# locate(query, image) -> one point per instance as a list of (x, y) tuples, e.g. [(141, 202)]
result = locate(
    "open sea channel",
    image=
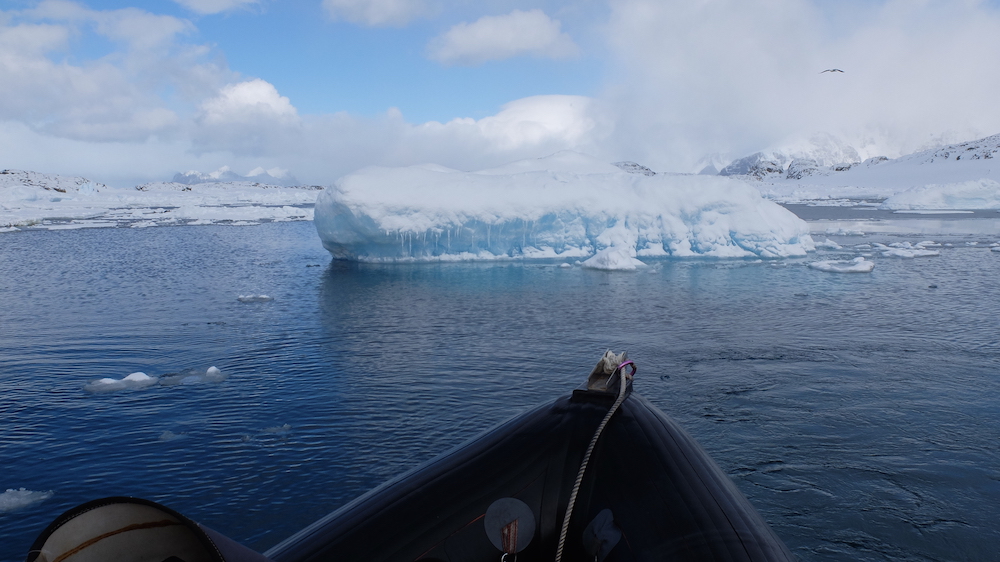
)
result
[(860, 413)]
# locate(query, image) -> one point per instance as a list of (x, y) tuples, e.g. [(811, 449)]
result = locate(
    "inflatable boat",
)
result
[(599, 475)]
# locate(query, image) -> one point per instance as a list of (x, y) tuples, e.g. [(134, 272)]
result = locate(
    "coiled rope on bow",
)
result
[(590, 449)]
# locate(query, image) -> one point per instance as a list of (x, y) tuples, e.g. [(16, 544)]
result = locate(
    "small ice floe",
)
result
[(857, 265), (972, 243), (12, 500), (995, 249), (284, 428), (844, 232), (254, 298), (828, 244), (566, 265), (908, 253), (614, 259), (133, 381), (193, 376), (904, 250), (168, 435), (928, 244)]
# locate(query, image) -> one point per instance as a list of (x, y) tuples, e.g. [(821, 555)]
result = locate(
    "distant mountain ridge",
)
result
[(777, 166), (258, 175)]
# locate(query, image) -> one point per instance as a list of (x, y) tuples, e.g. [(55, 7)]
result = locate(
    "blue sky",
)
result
[(328, 66), (125, 92)]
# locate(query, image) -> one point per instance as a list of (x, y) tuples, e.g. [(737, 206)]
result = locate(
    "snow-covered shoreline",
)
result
[(29, 200)]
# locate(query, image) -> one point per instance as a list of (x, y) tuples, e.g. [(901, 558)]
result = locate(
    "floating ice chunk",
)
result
[(105, 384), (12, 500), (254, 298), (828, 244), (133, 381), (857, 265), (192, 376), (844, 232), (927, 244), (995, 249), (139, 378), (432, 213), (168, 435), (909, 253), (566, 265), (284, 428), (614, 259)]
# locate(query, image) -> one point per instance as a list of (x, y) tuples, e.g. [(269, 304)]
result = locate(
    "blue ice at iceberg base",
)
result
[(432, 213)]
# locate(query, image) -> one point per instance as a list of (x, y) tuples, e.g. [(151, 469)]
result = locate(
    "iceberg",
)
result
[(565, 206)]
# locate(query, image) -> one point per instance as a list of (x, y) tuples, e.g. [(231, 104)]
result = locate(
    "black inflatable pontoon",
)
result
[(648, 492)]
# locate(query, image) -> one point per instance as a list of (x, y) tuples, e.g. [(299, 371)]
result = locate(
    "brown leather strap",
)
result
[(127, 528)]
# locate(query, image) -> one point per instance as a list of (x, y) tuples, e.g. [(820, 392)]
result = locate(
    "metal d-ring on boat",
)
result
[(599, 475)]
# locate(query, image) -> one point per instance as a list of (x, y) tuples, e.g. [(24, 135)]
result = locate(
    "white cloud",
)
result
[(321, 148), (215, 6), (140, 29), (251, 126), (247, 118), (377, 13), (562, 121), (734, 77), (109, 98), (502, 37), (246, 102)]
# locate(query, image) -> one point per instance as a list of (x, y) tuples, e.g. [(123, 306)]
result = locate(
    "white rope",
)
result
[(586, 459)]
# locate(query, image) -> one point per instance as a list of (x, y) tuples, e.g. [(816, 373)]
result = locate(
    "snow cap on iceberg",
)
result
[(567, 205)]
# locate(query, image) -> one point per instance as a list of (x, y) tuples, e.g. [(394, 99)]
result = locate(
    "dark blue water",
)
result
[(860, 413)]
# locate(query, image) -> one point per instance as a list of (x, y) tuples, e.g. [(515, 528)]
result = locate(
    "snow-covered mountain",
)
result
[(785, 178), (820, 152), (274, 176)]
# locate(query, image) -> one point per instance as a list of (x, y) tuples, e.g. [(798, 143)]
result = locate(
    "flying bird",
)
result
[(833, 70)]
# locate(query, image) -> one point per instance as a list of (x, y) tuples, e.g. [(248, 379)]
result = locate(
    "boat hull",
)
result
[(667, 499)]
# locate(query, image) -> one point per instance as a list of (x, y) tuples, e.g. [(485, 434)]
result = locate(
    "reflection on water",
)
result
[(857, 411)]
